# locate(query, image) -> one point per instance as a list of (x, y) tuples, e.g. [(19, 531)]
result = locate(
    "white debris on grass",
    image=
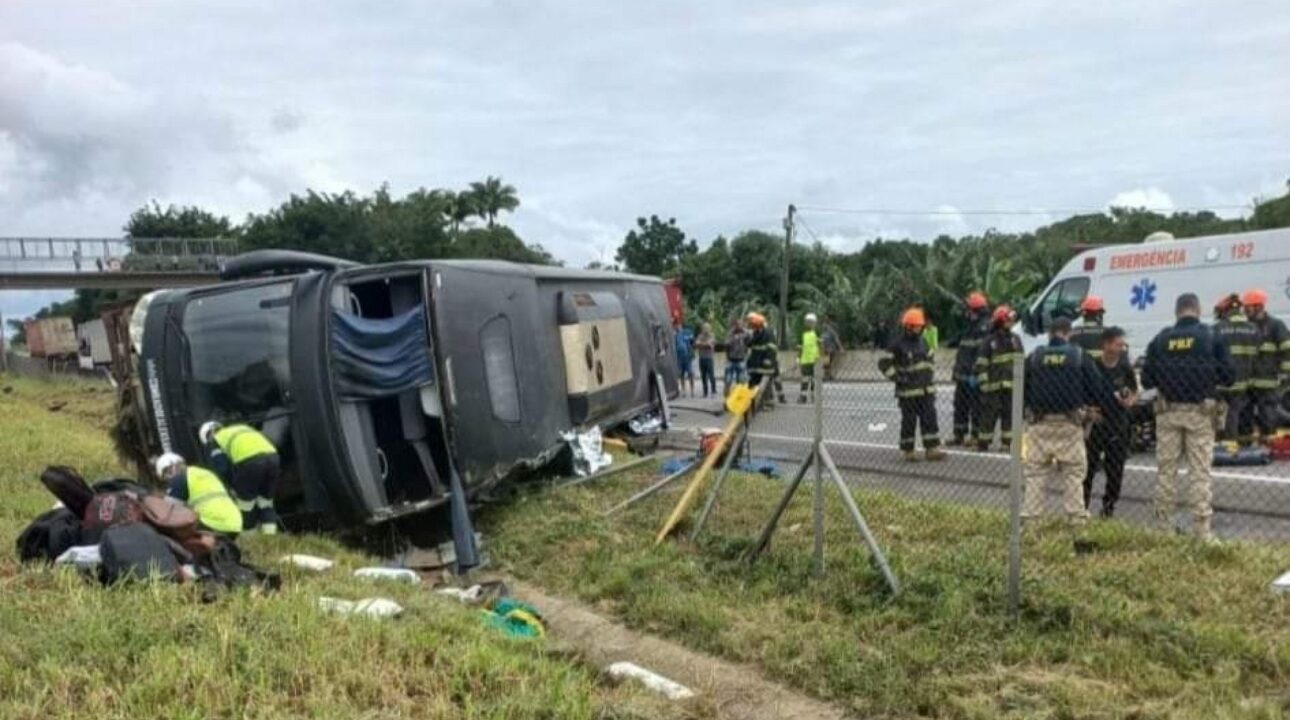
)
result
[(652, 680), (385, 573), (371, 607), (470, 596), (84, 557), (308, 562), (1281, 584), (589, 454)]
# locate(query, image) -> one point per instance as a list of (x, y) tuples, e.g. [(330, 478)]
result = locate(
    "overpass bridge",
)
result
[(28, 263)]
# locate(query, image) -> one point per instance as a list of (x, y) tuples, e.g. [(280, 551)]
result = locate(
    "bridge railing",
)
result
[(35, 255)]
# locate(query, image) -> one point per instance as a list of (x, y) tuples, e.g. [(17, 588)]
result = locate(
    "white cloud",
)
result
[(1150, 198)]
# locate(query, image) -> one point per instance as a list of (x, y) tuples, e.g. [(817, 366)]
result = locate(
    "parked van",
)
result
[(1139, 283)]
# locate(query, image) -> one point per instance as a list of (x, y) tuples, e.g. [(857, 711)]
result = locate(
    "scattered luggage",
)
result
[(109, 510), (136, 552), (1279, 447), (1227, 456), (69, 487), (49, 536)]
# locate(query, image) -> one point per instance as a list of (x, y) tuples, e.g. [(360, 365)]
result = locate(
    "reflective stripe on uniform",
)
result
[(1264, 384), (916, 392), (1285, 345), (1268, 347), (1243, 350), (214, 506), (242, 443)]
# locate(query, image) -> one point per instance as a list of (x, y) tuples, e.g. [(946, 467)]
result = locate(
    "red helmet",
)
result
[(756, 320), (1092, 304), (913, 318), (1003, 315), (1255, 297), (977, 301)]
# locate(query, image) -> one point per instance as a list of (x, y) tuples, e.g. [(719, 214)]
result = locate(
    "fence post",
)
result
[(817, 394), (1017, 485)]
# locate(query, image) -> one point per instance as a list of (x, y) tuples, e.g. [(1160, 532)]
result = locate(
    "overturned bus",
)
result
[(379, 383)]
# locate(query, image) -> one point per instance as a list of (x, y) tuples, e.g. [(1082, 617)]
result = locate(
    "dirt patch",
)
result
[(733, 691)]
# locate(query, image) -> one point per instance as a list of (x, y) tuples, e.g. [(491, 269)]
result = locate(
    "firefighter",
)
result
[(1088, 334), (808, 358), (763, 358), (1242, 339), (1186, 363), (1271, 365), (908, 363), (1061, 382), (967, 385), (244, 456), (1000, 349)]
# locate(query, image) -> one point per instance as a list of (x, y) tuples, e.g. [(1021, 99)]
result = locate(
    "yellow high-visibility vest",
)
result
[(208, 497), (243, 442), (810, 348)]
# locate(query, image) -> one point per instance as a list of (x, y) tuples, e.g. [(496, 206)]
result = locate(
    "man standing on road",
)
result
[(763, 360), (1088, 334), (1107, 446), (1001, 348), (808, 358), (831, 344), (706, 346), (1242, 340), (1271, 366), (967, 386), (736, 355), (685, 355), (1186, 363), (908, 363), (1061, 383)]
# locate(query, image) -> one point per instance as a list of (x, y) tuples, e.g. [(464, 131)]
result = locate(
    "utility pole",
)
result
[(783, 280)]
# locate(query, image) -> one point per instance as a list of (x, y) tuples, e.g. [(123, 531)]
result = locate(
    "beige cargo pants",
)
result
[(1185, 430), (1054, 448)]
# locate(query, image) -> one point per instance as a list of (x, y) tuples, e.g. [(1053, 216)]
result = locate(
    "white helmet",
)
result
[(207, 433), (810, 317), (167, 462)]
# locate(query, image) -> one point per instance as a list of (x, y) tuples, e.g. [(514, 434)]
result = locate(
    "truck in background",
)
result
[(93, 348), (51, 338)]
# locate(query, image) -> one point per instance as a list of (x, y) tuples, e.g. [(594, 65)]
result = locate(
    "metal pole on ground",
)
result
[(731, 455), (651, 489), (764, 539), (1016, 487), (611, 470), (878, 555)]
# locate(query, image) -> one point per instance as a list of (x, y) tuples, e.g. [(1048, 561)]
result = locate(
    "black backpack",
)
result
[(69, 487), (49, 536), (136, 552)]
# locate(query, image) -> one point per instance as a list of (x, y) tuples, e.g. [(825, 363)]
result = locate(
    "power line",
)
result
[(1052, 211), (800, 221)]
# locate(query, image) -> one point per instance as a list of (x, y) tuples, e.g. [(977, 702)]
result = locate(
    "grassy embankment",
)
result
[(72, 649), (1149, 627)]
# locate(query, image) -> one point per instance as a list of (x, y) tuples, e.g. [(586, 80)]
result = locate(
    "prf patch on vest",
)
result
[(1182, 343), (1055, 359)]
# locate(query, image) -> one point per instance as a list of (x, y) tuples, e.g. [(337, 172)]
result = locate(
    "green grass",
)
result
[(72, 649), (1149, 627)]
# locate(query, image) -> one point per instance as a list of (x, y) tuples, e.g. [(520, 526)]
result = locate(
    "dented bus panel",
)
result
[(376, 382)]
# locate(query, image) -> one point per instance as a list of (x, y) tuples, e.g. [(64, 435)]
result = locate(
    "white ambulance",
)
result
[(1139, 283)]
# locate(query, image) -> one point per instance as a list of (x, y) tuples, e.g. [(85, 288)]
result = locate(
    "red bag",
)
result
[(1279, 447), (109, 510)]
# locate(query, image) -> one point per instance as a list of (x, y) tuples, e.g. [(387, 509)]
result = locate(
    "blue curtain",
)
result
[(380, 357)]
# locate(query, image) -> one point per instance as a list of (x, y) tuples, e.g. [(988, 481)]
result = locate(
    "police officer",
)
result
[(1061, 383), (763, 358), (1107, 445), (1186, 363), (1242, 340), (1088, 334), (908, 363), (1001, 348), (1271, 365), (967, 385), (246, 457), (202, 491)]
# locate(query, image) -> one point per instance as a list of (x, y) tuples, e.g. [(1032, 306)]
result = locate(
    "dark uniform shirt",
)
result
[(1187, 363), (1242, 338), (1061, 378), (763, 353), (1087, 336), (970, 345), (1123, 382), (909, 364), (1273, 359), (999, 351)]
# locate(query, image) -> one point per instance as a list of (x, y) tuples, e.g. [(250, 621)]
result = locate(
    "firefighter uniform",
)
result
[(908, 363), (1060, 381), (999, 351), (1242, 339), (1087, 336), (1186, 363), (763, 362), (252, 463), (967, 383), (1271, 364)]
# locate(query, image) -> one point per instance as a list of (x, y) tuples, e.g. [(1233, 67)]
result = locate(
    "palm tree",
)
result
[(459, 207), (492, 196)]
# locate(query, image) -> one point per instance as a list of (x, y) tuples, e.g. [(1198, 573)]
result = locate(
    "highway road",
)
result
[(861, 425)]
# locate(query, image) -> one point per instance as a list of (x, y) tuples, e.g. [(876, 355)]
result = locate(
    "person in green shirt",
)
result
[(808, 357)]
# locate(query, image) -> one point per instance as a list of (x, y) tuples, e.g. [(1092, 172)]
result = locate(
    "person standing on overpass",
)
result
[(1186, 363)]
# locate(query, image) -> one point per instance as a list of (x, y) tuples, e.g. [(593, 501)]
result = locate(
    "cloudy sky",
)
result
[(719, 112)]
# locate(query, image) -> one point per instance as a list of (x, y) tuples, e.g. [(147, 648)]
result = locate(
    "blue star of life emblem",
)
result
[(1144, 294)]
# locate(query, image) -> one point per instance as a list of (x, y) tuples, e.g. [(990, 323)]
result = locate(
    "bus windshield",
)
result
[(237, 343)]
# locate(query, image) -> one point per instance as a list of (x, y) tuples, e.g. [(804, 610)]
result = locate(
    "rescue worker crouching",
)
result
[(1242, 339), (1186, 363), (247, 458), (1271, 365), (763, 359), (1061, 383), (1088, 334), (999, 351), (967, 383), (908, 363), (808, 358), (202, 491)]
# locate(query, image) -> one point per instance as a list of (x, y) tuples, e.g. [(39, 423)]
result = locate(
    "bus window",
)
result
[(1063, 298)]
